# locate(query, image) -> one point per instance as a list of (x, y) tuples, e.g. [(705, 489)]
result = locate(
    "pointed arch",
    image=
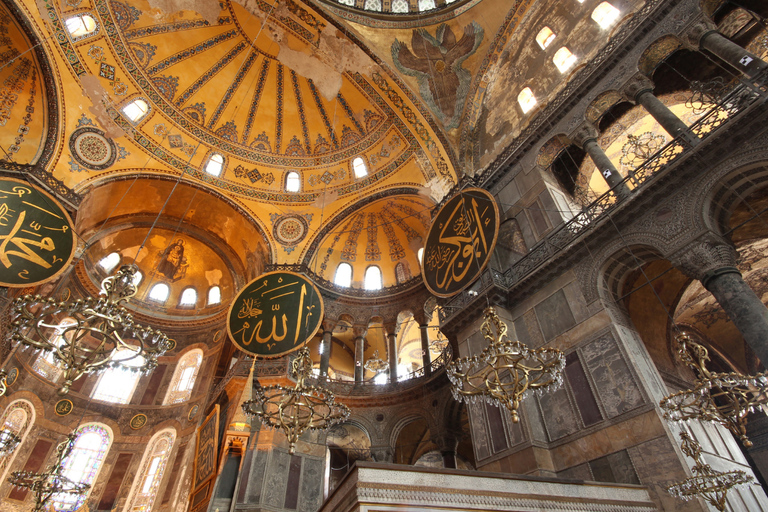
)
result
[(92, 443), (146, 485)]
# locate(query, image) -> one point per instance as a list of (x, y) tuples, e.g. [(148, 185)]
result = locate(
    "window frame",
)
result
[(192, 304), (136, 493), (110, 437), (208, 296), (140, 118), (173, 394), (365, 278), (136, 376), (336, 275), (86, 34), (6, 461), (210, 159), (288, 176), (153, 288)]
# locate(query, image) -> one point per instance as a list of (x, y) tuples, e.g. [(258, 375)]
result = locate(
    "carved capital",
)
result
[(359, 331), (583, 133), (704, 255), (637, 84), (694, 32), (383, 453)]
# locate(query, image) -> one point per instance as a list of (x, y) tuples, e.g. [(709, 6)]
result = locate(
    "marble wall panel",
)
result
[(559, 417), (616, 467), (312, 485), (480, 439), (554, 314), (277, 479), (256, 479), (616, 387)]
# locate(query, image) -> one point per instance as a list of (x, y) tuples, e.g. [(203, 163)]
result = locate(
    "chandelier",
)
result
[(724, 398), (53, 481), (438, 345), (8, 441), (711, 485), (374, 364), (505, 372), (298, 409), (88, 335)]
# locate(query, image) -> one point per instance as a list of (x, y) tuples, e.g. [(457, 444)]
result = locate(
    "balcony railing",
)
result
[(738, 99)]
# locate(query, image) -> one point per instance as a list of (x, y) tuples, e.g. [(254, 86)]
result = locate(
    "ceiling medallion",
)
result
[(290, 229), (706, 483), (298, 409), (505, 372), (724, 398), (86, 335), (91, 149)]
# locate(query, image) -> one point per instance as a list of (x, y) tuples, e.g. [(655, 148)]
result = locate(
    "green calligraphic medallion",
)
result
[(460, 242), (138, 421), (63, 407), (36, 237), (275, 314)]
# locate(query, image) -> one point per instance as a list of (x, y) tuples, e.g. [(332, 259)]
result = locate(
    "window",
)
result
[(83, 463), (402, 272), (373, 5), (605, 15), (350, 3), (564, 59), (372, 278), (526, 99), (45, 364), (188, 297), (214, 165), (117, 384), (399, 6), (159, 292), (545, 37), (109, 262), (425, 5), (420, 255), (292, 182), (136, 110), (214, 295), (137, 277), (80, 26), (18, 417), (358, 165), (343, 275), (147, 484), (184, 376)]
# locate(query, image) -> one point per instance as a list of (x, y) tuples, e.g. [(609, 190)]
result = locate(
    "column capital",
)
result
[(585, 132), (694, 33), (383, 453), (704, 256), (359, 331), (636, 85)]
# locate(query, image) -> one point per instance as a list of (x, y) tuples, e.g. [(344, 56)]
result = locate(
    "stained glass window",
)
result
[(18, 418), (45, 364), (83, 463), (117, 384), (183, 381), (150, 474)]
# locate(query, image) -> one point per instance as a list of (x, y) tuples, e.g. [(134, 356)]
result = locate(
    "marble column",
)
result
[(392, 349), (743, 60), (359, 357), (325, 356), (447, 444), (425, 348), (640, 90), (586, 137)]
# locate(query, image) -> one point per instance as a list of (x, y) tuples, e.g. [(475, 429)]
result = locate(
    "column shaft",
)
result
[(743, 60), (606, 167), (392, 341), (325, 357), (425, 349), (665, 117), (743, 307), (359, 358)]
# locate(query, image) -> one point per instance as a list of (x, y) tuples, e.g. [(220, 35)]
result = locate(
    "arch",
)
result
[(656, 52), (83, 464), (149, 477), (602, 104), (343, 275), (18, 417), (184, 377), (373, 278), (723, 196), (617, 267)]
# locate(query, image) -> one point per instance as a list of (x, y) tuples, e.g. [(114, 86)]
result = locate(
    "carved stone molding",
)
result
[(693, 33), (635, 85), (705, 254)]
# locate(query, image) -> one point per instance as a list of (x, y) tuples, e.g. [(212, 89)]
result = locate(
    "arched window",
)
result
[(45, 364), (109, 262), (373, 5), (136, 110), (214, 295), (18, 418), (605, 15), (563, 59), (343, 275), (372, 278), (117, 384), (215, 164), (137, 277), (402, 272), (526, 99), (80, 26), (188, 297), (545, 37), (292, 182), (358, 165), (399, 6), (159, 292), (184, 376), (420, 255), (425, 5), (147, 483), (83, 463)]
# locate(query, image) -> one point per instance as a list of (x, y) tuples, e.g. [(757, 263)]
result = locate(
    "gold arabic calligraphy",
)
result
[(461, 245)]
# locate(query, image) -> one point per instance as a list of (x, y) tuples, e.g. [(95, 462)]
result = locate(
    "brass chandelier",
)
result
[(8, 441), (298, 409), (706, 483), (724, 398), (438, 345), (86, 335), (505, 372), (374, 364), (53, 481)]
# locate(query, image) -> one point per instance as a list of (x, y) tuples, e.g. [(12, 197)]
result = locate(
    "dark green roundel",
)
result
[(275, 314), (460, 242), (36, 237)]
